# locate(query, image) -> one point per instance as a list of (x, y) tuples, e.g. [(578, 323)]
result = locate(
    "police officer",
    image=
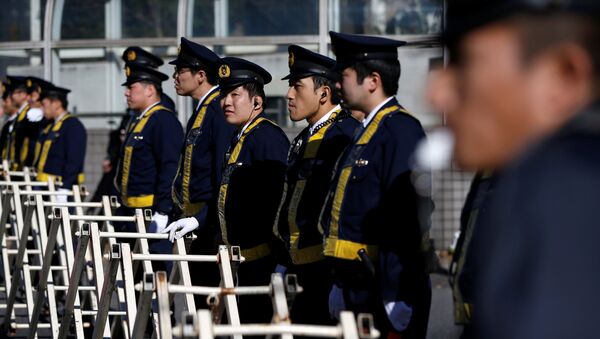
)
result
[(60, 149), (524, 97), (131, 55), (201, 159), (252, 180), (27, 126), (150, 152), (10, 111), (312, 96), (370, 221)]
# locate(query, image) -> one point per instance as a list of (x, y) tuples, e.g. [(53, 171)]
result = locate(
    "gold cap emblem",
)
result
[(127, 71), (178, 49), (224, 71), (131, 56), (291, 59), (28, 83)]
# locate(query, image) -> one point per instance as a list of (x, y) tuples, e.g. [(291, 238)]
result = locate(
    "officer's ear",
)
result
[(257, 102), (325, 92), (373, 81)]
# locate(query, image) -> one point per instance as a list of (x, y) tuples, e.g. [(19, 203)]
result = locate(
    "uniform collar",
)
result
[(23, 106), (323, 119), (12, 117), (371, 115), (201, 101), (60, 117), (248, 124), (147, 109)]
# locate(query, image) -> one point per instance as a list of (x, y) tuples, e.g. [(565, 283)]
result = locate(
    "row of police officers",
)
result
[(337, 207)]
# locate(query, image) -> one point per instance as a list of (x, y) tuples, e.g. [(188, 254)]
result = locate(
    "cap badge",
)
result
[(28, 83), (291, 59), (224, 71), (127, 71), (131, 56)]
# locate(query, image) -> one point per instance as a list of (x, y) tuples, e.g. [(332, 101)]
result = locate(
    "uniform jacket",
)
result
[(149, 158), (251, 187), (541, 239), (372, 205), (310, 164), (60, 151), (207, 138)]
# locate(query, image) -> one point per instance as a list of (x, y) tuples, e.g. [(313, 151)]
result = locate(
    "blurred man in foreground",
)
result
[(524, 101)]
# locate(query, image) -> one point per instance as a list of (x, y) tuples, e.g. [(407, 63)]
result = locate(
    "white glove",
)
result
[(62, 198), (160, 222), (181, 227), (399, 314)]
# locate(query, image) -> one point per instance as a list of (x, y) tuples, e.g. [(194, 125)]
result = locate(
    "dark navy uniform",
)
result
[(250, 192), (26, 128), (196, 186), (540, 240), (149, 161), (149, 155), (373, 207), (467, 259), (60, 149), (131, 55), (311, 159)]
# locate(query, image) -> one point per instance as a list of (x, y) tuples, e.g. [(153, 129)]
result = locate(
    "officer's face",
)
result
[(7, 105), (353, 92), (484, 96), (238, 106), (137, 96), (185, 81), (303, 100), (49, 107), (19, 96)]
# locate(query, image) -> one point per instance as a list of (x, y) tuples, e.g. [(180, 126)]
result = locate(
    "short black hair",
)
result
[(211, 74), (62, 98), (158, 87), (320, 81), (256, 89), (388, 70)]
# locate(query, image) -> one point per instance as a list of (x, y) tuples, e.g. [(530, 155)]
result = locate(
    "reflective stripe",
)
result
[(45, 176), (139, 202), (256, 252), (187, 159), (308, 255), (13, 151), (340, 248), (191, 209), (48, 144), (24, 150), (346, 249), (127, 161), (38, 146), (225, 180)]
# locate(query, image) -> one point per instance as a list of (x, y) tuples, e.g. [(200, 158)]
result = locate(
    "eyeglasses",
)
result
[(180, 70)]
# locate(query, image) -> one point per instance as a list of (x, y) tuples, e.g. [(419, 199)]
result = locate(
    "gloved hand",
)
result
[(336, 302), (62, 198), (159, 222), (181, 227), (280, 269), (399, 314)]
